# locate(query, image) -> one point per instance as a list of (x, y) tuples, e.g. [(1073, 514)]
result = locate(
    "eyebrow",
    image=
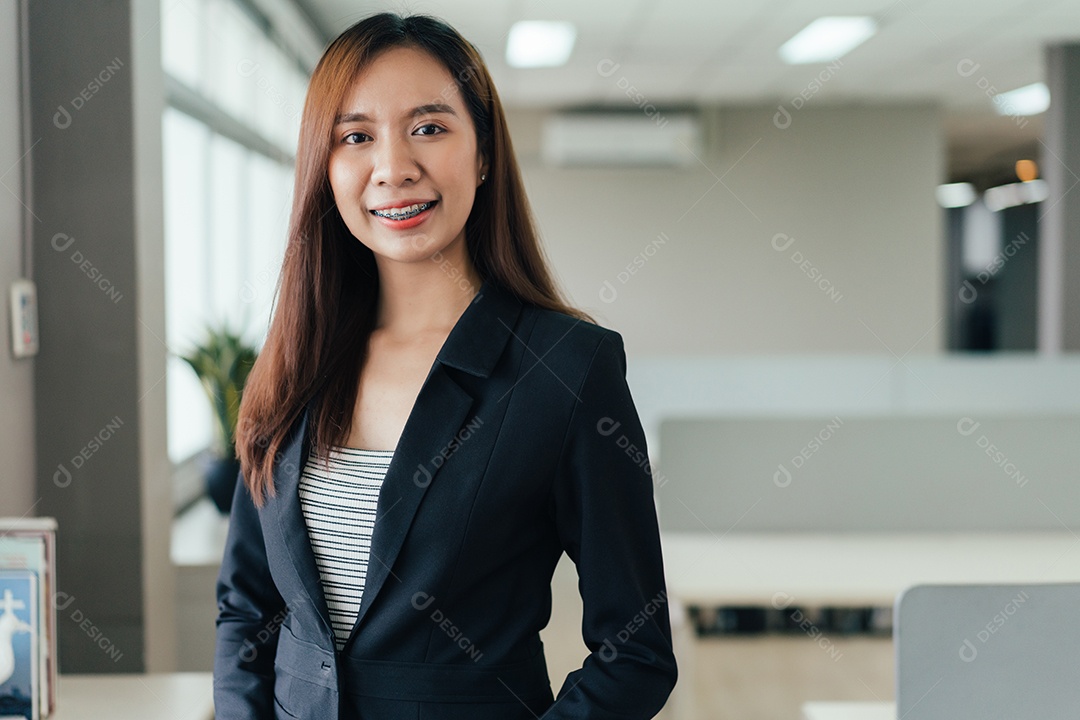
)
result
[(429, 109)]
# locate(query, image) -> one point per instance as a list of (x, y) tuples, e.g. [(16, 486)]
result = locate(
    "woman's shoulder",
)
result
[(571, 339)]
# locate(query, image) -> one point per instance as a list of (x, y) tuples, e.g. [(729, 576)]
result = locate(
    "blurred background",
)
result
[(840, 239)]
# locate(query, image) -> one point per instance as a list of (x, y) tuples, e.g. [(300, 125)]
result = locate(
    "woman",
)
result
[(429, 427)]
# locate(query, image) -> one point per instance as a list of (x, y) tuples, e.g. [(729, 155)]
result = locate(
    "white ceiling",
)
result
[(724, 52)]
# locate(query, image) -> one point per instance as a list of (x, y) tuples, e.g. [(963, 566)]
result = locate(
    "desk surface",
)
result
[(175, 696), (854, 569), (849, 711)]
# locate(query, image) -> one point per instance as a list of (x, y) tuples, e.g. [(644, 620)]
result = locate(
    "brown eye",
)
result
[(431, 125)]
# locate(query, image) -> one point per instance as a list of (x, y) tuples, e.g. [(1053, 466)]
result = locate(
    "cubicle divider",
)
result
[(797, 495), (825, 386), (909, 473), (840, 448)]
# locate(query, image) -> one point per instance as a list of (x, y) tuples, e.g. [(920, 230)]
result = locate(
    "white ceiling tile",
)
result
[(725, 51)]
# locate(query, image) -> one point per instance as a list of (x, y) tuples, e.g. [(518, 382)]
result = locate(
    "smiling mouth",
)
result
[(404, 213)]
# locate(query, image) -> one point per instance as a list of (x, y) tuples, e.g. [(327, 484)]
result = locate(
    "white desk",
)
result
[(840, 570), (854, 569), (849, 711), (172, 696)]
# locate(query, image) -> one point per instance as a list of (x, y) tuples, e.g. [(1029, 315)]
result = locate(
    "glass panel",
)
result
[(297, 85), (231, 40), (182, 37), (186, 281), (228, 229), (267, 112), (268, 200)]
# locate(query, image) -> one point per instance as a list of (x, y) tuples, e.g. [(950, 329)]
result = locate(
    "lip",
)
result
[(403, 203), (406, 224)]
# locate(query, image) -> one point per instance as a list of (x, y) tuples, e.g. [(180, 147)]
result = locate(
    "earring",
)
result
[(483, 178)]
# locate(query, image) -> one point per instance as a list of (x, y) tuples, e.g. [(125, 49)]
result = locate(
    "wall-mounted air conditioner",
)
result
[(622, 139)]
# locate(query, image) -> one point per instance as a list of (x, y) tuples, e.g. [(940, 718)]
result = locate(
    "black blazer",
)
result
[(523, 442)]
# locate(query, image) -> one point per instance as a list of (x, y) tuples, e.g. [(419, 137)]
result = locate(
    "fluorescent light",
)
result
[(1028, 100), (827, 38), (955, 195), (539, 43), (1013, 194)]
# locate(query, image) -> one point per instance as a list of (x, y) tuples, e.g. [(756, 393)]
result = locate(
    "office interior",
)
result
[(849, 287)]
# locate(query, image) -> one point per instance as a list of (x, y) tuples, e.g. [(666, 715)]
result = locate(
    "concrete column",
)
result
[(1059, 256), (99, 397)]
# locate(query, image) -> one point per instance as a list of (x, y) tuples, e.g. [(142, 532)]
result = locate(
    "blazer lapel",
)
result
[(290, 516), (442, 407)]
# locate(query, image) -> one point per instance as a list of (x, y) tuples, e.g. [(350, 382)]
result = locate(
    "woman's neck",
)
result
[(423, 297)]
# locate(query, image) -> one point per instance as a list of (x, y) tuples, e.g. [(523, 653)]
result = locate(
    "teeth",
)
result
[(403, 213)]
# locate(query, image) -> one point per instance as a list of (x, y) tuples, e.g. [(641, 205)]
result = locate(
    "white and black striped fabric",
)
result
[(339, 509)]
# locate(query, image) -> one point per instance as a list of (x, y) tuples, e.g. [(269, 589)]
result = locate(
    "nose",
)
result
[(393, 162)]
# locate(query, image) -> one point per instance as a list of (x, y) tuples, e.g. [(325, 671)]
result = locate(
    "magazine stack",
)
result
[(28, 664)]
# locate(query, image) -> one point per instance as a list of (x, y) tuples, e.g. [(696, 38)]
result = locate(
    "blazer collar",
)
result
[(477, 340), (474, 345)]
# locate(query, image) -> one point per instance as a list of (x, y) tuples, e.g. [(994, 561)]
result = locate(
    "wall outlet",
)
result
[(24, 325)]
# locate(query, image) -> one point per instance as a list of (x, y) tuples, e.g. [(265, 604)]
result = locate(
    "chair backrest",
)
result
[(987, 651)]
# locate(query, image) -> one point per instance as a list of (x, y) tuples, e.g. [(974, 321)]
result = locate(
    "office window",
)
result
[(234, 95), (187, 292)]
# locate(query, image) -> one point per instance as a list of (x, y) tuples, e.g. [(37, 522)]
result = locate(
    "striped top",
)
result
[(339, 510)]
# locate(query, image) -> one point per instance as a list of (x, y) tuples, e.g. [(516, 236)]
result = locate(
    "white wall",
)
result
[(852, 185), (16, 376)]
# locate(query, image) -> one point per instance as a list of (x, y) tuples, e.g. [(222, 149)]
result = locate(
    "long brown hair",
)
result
[(327, 292)]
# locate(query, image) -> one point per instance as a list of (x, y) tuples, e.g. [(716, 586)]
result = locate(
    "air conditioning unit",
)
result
[(620, 139)]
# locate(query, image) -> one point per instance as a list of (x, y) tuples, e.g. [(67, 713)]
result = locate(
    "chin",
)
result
[(406, 254)]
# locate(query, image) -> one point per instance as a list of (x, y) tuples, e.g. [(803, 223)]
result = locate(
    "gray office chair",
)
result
[(988, 651)]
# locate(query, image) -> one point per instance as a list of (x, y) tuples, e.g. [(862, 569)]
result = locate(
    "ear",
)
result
[(481, 168)]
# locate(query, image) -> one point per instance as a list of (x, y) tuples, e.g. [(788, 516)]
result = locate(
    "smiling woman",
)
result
[(383, 142), (409, 476)]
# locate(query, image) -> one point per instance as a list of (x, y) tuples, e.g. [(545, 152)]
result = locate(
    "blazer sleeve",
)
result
[(606, 520), (250, 612)]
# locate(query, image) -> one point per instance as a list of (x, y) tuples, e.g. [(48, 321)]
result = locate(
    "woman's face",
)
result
[(403, 137)]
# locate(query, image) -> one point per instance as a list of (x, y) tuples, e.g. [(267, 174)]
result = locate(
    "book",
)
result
[(30, 544), (19, 654)]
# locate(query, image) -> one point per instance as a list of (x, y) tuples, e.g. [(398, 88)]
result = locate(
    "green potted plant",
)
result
[(222, 363)]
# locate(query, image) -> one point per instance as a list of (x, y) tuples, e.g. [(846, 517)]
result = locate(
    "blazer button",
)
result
[(325, 667)]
